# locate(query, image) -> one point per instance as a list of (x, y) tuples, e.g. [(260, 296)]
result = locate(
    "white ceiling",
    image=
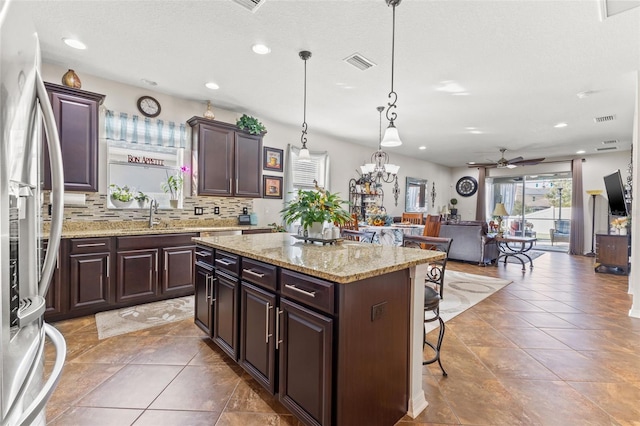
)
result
[(522, 63)]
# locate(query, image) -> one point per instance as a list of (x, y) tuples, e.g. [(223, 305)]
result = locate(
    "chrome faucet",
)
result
[(153, 208)]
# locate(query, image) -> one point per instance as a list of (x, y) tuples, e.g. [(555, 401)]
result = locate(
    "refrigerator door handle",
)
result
[(57, 186), (39, 402)]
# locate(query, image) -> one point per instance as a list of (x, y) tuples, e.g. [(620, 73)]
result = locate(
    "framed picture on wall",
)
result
[(273, 159), (272, 186)]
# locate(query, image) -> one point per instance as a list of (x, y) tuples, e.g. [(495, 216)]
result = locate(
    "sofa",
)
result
[(470, 242)]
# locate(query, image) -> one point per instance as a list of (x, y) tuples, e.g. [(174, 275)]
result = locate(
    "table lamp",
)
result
[(500, 211)]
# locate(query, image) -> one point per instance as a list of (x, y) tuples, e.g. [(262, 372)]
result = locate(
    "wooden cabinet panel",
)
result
[(225, 311), (76, 115), (137, 275), (203, 297), (89, 280), (248, 165), (177, 269), (305, 385), (228, 160), (57, 295), (612, 251), (257, 334)]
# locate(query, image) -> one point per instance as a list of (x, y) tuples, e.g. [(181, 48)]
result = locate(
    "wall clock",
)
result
[(148, 106), (466, 186)]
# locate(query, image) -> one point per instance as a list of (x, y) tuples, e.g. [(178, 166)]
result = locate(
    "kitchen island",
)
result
[(334, 330)]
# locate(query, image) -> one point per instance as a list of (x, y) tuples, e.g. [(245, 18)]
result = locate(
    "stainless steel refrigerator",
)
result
[(25, 113)]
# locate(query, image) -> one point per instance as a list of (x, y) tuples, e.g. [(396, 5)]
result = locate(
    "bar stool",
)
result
[(432, 294)]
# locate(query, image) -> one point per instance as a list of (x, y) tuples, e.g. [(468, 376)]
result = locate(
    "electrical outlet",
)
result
[(245, 210), (198, 211), (377, 311), (216, 210)]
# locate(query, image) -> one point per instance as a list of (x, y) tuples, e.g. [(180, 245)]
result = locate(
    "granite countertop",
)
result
[(344, 262), (88, 229)]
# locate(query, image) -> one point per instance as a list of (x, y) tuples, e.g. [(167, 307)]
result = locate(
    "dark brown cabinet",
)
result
[(227, 161), (177, 269), (306, 363), (137, 275), (55, 299), (89, 274), (203, 297), (612, 253), (76, 115), (225, 313)]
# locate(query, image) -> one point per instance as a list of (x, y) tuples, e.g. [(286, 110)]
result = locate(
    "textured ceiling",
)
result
[(522, 64)]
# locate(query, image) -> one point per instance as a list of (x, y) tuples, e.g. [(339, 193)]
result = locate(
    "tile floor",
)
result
[(555, 347)]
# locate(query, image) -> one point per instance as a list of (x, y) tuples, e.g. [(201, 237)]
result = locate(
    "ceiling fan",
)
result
[(510, 164)]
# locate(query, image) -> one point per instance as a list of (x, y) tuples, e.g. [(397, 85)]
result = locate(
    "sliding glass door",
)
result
[(538, 206)]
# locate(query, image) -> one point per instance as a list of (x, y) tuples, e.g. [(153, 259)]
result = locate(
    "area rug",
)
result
[(533, 254), (462, 291), (134, 318)]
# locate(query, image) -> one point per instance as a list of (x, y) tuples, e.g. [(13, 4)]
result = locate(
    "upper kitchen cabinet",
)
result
[(76, 114), (226, 160)]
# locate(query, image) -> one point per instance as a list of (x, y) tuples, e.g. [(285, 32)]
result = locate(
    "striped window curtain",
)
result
[(131, 128)]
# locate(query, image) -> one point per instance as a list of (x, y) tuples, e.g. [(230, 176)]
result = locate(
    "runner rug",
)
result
[(134, 318), (462, 291)]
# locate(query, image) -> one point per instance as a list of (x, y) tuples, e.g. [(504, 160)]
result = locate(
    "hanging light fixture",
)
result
[(380, 170), (304, 152), (391, 136)]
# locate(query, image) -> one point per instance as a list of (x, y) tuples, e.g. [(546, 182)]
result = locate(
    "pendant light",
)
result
[(391, 136), (304, 152)]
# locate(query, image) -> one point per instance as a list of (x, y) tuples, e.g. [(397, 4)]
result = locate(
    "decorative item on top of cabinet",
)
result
[(71, 79), (251, 125), (208, 114), (226, 161), (76, 115)]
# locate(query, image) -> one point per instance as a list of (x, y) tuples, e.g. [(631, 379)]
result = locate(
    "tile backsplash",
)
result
[(95, 209)]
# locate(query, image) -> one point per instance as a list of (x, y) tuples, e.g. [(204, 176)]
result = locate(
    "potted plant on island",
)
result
[(454, 209), (121, 196), (313, 208)]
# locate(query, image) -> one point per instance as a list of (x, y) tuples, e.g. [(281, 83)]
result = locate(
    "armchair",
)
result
[(561, 231)]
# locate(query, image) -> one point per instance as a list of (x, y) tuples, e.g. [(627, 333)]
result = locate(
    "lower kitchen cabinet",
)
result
[(203, 305), (257, 334), (137, 275), (225, 313), (102, 273), (306, 363)]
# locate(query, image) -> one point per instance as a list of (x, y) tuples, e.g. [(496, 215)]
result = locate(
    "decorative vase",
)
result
[(121, 204), (71, 79), (173, 203), (141, 204), (623, 231), (208, 114), (315, 230)]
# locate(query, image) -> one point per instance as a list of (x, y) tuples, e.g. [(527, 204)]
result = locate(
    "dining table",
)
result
[(392, 235)]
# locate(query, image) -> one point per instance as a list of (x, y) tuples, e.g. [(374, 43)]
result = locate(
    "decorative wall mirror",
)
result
[(144, 170), (416, 195)]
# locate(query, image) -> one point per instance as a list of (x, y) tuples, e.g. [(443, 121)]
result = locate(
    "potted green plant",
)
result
[(121, 196), (250, 124), (141, 198), (314, 207), (454, 209), (173, 185)]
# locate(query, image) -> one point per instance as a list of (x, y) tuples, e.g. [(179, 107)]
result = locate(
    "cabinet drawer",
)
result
[(161, 240), (308, 290), (204, 255), (89, 245), (227, 261), (263, 274)]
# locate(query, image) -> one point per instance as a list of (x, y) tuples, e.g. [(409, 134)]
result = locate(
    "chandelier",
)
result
[(379, 169), (304, 152), (391, 136)]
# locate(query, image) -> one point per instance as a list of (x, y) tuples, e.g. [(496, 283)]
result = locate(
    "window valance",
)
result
[(120, 126)]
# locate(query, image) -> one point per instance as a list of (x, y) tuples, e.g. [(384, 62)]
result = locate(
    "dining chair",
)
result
[(414, 218), (362, 236), (431, 229), (433, 289), (351, 224)]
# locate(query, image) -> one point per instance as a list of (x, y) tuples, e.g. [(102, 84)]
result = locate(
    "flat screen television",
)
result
[(615, 193)]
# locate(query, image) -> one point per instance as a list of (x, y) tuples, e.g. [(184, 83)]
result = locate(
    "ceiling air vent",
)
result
[(359, 61), (611, 142), (604, 118), (250, 5), (608, 148)]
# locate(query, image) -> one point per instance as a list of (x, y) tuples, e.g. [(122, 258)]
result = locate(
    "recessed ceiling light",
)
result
[(560, 125), (211, 85), (422, 147), (470, 128), (260, 49), (76, 44), (460, 94), (450, 86), (149, 82), (582, 151), (585, 94), (475, 132), (471, 162)]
